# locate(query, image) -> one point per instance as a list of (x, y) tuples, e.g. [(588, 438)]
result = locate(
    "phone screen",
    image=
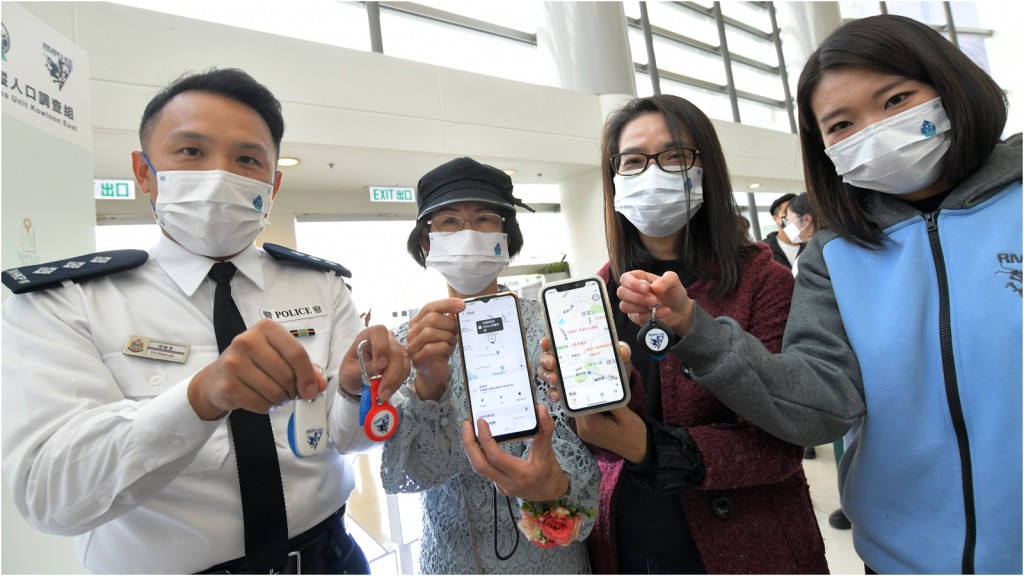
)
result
[(498, 376), (585, 345)]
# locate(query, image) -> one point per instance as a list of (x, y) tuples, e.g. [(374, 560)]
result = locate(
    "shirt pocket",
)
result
[(141, 379), (315, 336)]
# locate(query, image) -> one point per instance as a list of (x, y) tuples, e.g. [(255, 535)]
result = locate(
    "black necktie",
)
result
[(259, 473)]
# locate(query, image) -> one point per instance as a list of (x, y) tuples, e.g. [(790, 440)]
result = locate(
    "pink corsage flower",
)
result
[(549, 524)]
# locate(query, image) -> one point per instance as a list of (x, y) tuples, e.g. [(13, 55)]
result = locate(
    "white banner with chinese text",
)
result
[(45, 78)]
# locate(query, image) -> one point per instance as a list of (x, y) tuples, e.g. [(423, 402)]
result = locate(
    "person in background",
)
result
[(905, 327), (784, 249), (467, 230), (801, 225), (689, 487), (744, 225), (134, 439)]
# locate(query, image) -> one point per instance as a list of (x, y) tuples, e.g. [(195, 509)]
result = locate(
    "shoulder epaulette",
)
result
[(288, 255), (77, 269)]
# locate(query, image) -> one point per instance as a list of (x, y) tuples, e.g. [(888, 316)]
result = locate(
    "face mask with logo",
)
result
[(469, 260), (659, 203), (211, 212), (898, 155)]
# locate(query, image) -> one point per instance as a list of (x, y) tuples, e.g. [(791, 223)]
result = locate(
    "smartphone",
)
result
[(585, 344), (496, 366)]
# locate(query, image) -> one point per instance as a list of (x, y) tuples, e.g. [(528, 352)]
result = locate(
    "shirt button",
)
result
[(177, 440), (156, 380)]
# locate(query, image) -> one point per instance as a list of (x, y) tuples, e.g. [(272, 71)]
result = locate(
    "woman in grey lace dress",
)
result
[(467, 230)]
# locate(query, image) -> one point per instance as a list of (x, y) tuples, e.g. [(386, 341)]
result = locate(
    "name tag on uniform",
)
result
[(296, 313), (154, 349)]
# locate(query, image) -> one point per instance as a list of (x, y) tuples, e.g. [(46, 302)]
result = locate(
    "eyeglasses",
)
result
[(450, 223), (673, 160), (784, 220)]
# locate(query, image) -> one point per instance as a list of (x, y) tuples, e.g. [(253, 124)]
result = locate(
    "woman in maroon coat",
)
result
[(688, 486)]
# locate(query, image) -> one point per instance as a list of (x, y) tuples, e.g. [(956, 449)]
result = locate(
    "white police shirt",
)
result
[(104, 445)]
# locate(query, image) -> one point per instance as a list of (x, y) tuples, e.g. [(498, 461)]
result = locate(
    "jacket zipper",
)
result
[(952, 394)]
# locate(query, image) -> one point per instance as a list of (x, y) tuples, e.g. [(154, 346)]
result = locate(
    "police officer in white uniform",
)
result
[(115, 397)]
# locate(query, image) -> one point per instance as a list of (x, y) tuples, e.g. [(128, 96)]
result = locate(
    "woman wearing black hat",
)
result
[(467, 230)]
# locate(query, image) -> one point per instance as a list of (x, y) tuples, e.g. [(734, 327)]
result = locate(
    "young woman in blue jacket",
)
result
[(905, 325)]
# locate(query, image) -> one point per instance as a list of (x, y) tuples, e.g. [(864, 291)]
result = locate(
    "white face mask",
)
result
[(212, 212), (898, 155), (469, 260), (659, 203), (792, 231)]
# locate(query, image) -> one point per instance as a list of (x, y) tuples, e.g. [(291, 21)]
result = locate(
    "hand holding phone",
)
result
[(430, 342), (496, 367), (585, 345)]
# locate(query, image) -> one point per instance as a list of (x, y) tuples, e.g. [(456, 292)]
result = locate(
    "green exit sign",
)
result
[(392, 194), (105, 189)]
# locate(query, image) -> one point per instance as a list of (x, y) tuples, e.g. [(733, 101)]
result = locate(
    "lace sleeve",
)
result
[(576, 460), (426, 450)]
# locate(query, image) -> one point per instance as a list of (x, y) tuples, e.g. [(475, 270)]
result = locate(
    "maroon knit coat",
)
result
[(752, 513)]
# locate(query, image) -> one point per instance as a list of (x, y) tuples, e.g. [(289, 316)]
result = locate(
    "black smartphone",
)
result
[(584, 341), (496, 366)]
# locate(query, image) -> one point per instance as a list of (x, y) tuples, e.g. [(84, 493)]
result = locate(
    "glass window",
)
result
[(336, 23), (522, 15), (858, 9), (637, 46), (749, 13), (431, 42), (754, 113), (933, 13), (643, 85), (757, 81), (688, 61), (754, 47), (689, 23), (973, 45), (715, 104)]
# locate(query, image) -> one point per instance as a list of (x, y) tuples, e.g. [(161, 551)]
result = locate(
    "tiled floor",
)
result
[(377, 531)]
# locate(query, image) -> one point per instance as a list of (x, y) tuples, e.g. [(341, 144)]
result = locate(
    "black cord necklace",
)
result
[(511, 516)]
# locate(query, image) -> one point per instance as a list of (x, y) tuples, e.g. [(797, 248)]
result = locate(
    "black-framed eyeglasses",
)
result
[(450, 223), (673, 160)]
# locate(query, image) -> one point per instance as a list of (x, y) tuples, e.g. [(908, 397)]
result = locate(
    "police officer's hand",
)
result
[(639, 291), (539, 478), (265, 366), (431, 341), (383, 354)]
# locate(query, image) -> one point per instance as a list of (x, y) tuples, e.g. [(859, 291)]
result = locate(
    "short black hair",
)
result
[(779, 202), (801, 206), (898, 46), (228, 82)]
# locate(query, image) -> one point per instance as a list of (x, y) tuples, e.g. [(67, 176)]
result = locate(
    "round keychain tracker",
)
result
[(656, 337), (379, 419)]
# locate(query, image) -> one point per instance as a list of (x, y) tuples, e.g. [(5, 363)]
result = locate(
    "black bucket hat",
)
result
[(465, 180)]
